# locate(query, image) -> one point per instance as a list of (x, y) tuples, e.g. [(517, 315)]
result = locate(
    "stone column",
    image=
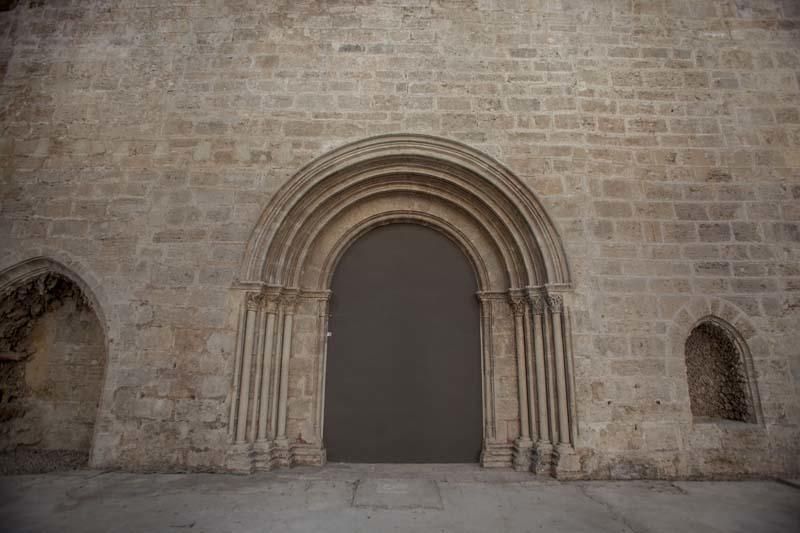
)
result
[(487, 370), (573, 415), (289, 302), (543, 452), (258, 354), (522, 446), (276, 372), (253, 304), (566, 463), (529, 374), (271, 307), (550, 373), (322, 351), (556, 308), (237, 369)]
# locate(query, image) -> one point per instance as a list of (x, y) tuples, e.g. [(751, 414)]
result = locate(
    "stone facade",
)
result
[(642, 156)]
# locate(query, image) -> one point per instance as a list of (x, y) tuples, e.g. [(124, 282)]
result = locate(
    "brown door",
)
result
[(403, 373)]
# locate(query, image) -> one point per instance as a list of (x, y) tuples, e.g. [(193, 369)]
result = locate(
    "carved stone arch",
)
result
[(24, 271), (41, 272), (518, 258), (740, 329), (455, 166)]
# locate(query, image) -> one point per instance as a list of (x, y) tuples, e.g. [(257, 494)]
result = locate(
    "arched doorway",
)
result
[(278, 406), (403, 380)]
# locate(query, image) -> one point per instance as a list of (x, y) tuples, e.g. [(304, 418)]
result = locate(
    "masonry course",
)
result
[(143, 141)]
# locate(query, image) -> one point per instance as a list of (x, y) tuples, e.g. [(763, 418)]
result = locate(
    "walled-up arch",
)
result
[(277, 401), (53, 360), (743, 336), (24, 271)]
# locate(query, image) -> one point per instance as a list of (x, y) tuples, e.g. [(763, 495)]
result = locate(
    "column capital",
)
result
[(537, 301), (516, 299), (289, 299), (555, 302), (254, 300), (271, 297)]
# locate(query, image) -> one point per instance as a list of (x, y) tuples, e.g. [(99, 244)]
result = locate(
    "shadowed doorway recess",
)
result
[(404, 376)]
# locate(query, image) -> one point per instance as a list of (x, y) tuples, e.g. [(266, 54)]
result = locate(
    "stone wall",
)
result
[(143, 140)]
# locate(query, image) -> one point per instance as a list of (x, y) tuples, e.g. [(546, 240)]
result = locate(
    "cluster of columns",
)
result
[(546, 387), (258, 415), (542, 347)]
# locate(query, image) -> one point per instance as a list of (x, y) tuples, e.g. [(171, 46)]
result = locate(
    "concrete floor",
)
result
[(376, 498)]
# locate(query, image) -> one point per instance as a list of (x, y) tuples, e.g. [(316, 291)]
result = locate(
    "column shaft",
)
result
[(322, 350), (244, 391), (257, 375), (541, 377), (284, 386), (531, 396), (276, 372), (563, 424), (490, 432), (551, 376), (519, 337), (266, 376), (237, 363)]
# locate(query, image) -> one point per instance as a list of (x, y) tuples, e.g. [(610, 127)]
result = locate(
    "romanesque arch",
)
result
[(283, 288)]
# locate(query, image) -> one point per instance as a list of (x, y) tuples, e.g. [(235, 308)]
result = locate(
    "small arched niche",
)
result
[(719, 372), (52, 368)]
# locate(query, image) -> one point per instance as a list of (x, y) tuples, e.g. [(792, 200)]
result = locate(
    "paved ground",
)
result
[(406, 498)]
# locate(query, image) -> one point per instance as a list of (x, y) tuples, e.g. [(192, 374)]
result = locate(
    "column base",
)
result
[(522, 454), (262, 455), (281, 455), (239, 458), (542, 458), (566, 463), (496, 455), (308, 454)]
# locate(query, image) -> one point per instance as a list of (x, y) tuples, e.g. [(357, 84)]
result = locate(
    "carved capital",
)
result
[(254, 300), (272, 297), (538, 303), (517, 302), (289, 302), (555, 303)]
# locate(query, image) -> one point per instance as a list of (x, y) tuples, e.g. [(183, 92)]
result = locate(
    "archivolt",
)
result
[(427, 169)]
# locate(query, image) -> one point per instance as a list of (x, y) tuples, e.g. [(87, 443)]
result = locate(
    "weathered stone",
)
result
[(140, 151)]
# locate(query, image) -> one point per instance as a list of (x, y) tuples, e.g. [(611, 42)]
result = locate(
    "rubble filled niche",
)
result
[(52, 365), (718, 387)]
